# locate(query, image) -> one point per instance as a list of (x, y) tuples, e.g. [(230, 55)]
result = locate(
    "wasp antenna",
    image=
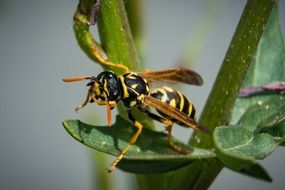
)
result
[(75, 79)]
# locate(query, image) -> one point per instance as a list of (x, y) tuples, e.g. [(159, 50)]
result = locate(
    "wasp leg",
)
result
[(95, 51), (168, 127), (139, 127), (112, 104), (170, 139), (124, 68), (109, 104), (84, 103), (101, 56)]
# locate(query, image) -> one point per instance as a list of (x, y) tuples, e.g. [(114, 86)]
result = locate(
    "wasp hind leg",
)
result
[(139, 127), (170, 138), (168, 127)]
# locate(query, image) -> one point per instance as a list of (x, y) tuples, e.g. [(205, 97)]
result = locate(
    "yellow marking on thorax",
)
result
[(132, 76), (133, 103), (147, 88), (125, 90), (140, 97), (146, 84), (134, 86), (134, 91)]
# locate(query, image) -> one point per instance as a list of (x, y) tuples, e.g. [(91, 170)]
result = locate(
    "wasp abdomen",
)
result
[(174, 99)]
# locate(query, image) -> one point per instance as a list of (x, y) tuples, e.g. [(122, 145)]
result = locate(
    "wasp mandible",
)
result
[(133, 89)]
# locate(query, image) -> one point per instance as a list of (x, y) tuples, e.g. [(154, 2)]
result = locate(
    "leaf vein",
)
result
[(241, 145)]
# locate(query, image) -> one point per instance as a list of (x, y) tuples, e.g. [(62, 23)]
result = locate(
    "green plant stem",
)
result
[(221, 100), (135, 10), (115, 34), (81, 29), (240, 54)]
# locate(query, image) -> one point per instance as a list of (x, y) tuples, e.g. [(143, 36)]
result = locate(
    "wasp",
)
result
[(133, 89)]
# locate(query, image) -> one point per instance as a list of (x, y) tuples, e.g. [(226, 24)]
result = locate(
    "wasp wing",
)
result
[(174, 113), (179, 74)]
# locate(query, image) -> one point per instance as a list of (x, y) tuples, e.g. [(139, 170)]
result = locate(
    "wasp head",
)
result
[(97, 89)]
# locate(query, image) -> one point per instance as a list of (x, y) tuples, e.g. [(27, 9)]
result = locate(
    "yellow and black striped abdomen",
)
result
[(175, 99)]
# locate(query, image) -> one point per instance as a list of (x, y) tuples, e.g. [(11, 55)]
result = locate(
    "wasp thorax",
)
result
[(134, 88)]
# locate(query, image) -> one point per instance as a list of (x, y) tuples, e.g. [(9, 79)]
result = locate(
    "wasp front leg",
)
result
[(139, 127), (109, 105), (112, 104), (86, 101), (102, 59)]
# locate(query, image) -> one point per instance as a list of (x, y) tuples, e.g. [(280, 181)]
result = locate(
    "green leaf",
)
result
[(268, 65), (151, 153), (220, 104), (257, 134), (264, 114), (237, 147), (258, 120), (256, 171), (115, 34)]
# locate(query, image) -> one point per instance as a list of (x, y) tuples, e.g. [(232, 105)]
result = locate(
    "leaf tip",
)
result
[(66, 123)]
